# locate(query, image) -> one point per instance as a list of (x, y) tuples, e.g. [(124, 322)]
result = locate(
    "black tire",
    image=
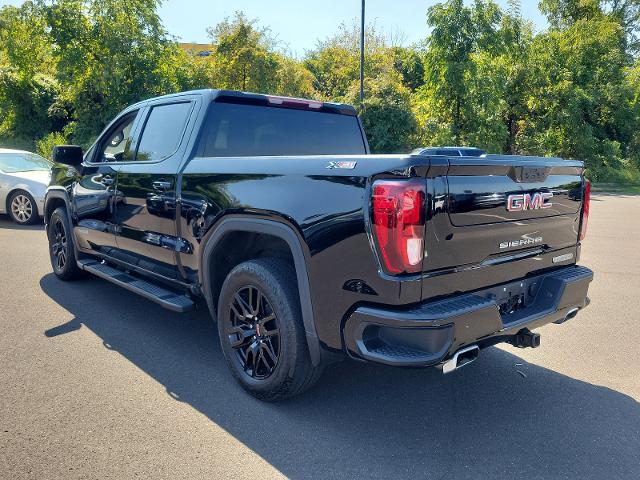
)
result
[(249, 342), (22, 208), (61, 249)]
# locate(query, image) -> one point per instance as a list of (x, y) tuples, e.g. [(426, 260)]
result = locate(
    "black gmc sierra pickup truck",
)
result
[(306, 248)]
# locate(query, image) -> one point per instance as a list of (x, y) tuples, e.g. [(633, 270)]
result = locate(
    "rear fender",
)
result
[(276, 229)]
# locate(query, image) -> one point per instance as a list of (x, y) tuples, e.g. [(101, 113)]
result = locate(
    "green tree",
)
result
[(246, 57), (293, 79), (409, 63), (386, 114), (124, 49), (447, 105), (633, 82), (389, 74), (502, 81), (564, 13), (335, 62), (243, 55), (27, 83), (189, 72), (481, 77), (579, 100)]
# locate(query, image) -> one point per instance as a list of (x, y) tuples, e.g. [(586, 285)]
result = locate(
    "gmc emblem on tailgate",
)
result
[(527, 201)]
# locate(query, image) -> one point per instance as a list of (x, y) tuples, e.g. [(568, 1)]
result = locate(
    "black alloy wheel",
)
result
[(261, 330), (254, 333), (59, 247)]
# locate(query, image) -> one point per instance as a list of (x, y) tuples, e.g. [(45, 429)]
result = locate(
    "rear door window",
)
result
[(163, 131), (236, 130)]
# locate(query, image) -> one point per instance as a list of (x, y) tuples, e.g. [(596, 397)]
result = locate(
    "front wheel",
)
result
[(61, 250), (261, 330)]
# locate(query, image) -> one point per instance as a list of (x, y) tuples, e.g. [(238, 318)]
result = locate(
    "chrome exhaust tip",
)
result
[(462, 357), (570, 314)]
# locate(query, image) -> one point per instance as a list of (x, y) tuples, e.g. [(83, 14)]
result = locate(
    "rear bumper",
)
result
[(429, 333)]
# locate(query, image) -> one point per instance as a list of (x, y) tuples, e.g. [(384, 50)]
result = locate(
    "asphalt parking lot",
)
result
[(96, 382)]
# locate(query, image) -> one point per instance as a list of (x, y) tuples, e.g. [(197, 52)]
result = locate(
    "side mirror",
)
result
[(67, 155)]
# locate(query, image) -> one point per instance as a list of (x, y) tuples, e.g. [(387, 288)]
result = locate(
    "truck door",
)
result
[(95, 196), (146, 213)]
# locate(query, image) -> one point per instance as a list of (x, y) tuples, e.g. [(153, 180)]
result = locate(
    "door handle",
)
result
[(107, 180), (162, 185)]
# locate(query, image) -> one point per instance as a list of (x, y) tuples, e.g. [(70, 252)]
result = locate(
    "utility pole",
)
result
[(362, 57)]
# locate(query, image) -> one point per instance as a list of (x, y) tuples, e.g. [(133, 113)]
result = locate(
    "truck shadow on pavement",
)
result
[(366, 421)]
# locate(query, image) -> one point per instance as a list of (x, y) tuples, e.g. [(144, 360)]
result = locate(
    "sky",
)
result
[(299, 24)]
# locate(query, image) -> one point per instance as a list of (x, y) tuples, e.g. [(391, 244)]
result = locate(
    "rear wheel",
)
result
[(22, 208), (61, 250), (261, 330)]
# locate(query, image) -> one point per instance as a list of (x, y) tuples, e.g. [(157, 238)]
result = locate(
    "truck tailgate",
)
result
[(500, 209)]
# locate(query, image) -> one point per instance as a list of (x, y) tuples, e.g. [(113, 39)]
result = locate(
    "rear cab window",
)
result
[(240, 130)]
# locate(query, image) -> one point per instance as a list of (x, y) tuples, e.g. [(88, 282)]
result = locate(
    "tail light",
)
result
[(398, 224), (586, 201)]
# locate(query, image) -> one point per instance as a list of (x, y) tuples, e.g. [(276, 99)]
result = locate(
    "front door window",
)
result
[(116, 146)]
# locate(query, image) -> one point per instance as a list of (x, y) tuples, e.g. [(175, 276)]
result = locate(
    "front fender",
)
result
[(52, 200), (55, 197)]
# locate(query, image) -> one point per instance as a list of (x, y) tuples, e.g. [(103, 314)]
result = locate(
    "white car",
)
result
[(24, 177)]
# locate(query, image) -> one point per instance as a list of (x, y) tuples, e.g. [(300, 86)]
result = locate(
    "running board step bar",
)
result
[(163, 297)]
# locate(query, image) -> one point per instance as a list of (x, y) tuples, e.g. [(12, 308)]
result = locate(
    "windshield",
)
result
[(23, 162)]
